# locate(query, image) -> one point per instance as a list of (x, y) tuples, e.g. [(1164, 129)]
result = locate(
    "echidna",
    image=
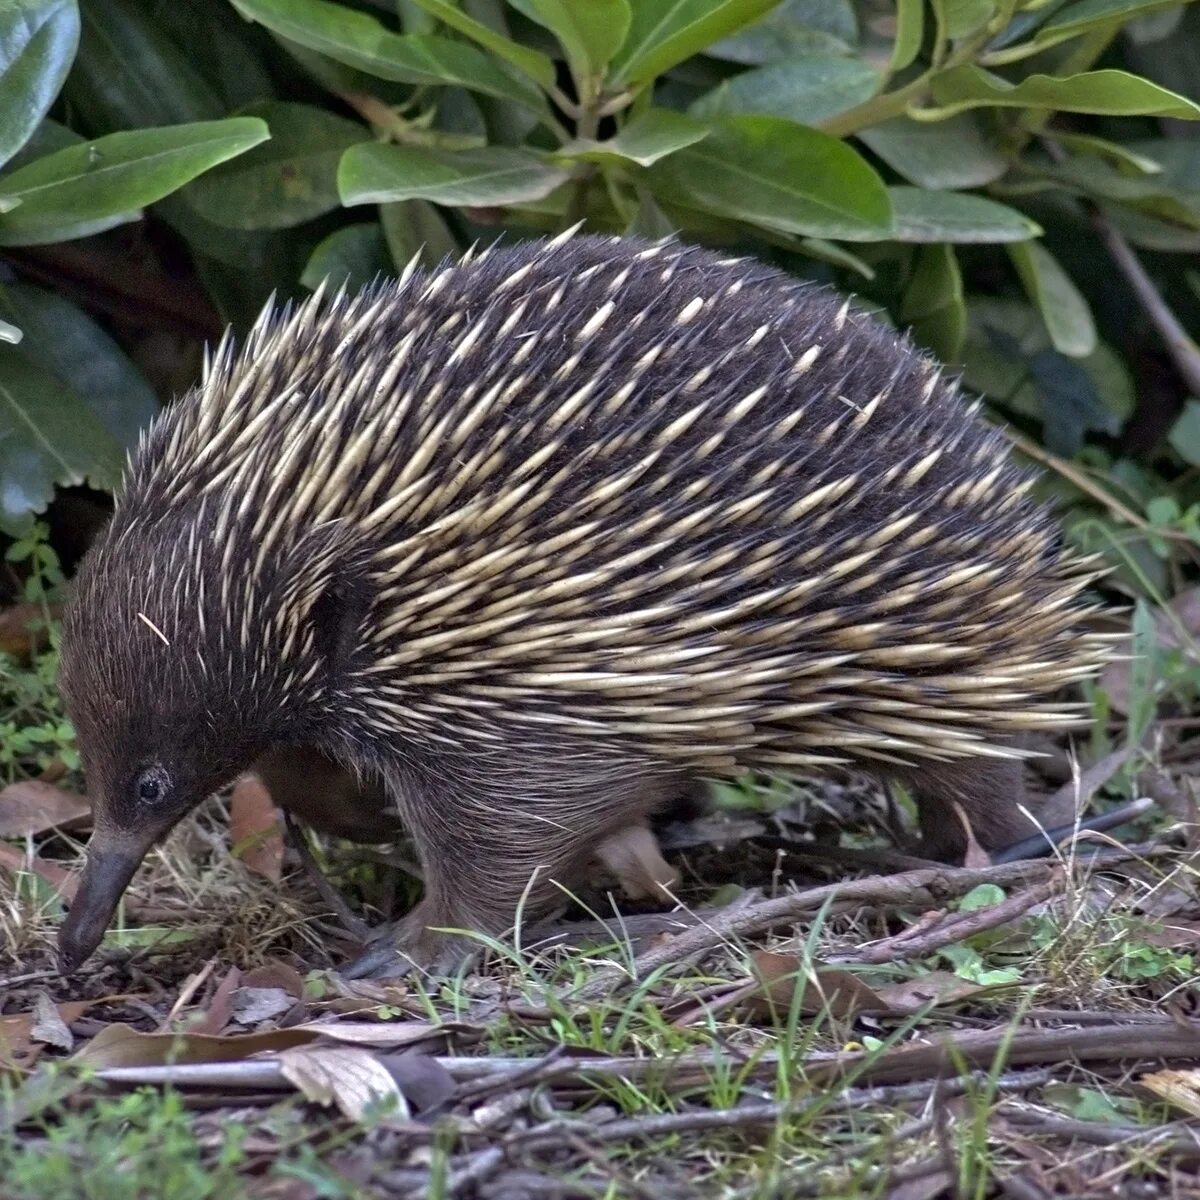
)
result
[(541, 537)]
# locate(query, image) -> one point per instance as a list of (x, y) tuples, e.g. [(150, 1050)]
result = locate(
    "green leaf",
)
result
[(1111, 93), (950, 154), (984, 896), (349, 257), (806, 89), (1123, 156), (1070, 404), (48, 138), (933, 302), (494, 175), (644, 140), (961, 18), (1149, 233), (360, 41), (48, 436), (63, 340), (839, 256), (1087, 15), (1176, 158), (792, 27), (1066, 313), (928, 216), (130, 74), (1185, 434), (590, 32), (910, 30), (115, 175), (38, 39), (416, 228), (771, 172), (1170, 194), (649, 221), (534, 63), (288, 180), (1004, 337), (665, 32)]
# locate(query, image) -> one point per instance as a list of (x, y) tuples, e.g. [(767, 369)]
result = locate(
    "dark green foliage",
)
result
[(943, 159)]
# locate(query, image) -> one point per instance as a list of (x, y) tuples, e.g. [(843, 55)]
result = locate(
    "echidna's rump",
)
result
[(564, 518)]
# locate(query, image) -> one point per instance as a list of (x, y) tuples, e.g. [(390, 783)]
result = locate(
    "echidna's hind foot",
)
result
[(988, 793), (492, 863)]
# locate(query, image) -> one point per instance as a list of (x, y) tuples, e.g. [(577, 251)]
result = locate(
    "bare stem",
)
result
[(1183, 350)]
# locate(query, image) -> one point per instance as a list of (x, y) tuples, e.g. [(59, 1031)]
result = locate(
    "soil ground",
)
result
[(817, 1016)]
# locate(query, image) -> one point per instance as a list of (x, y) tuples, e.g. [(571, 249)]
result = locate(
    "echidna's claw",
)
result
[(381, 960), (409, 947)]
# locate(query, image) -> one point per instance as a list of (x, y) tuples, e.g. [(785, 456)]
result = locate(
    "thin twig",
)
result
[(926, 889), (354, 925), (956, 928), (1183, 350)]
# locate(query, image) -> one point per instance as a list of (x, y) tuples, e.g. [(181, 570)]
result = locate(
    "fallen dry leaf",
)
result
[(17, 1030), (351, 1078), (255, 828), (122, 1046), (840, 993), (975, 856), (924, 1187), (1178, 1088), (276, 974), (936, 987), (48, 1025), (31, 806), (220, 1007), (253, 1005)]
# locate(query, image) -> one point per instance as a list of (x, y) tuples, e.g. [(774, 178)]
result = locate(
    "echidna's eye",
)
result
[(151, 785)]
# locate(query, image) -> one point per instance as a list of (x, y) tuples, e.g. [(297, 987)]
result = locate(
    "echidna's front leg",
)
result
[(490, 861)]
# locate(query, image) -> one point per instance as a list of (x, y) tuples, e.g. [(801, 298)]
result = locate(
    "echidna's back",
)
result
[(642, 492)]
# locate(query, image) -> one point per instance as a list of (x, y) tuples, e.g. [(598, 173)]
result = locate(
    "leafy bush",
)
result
[(967, 167)]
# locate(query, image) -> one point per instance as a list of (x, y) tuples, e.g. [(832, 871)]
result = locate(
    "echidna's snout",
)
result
[(111, 863)]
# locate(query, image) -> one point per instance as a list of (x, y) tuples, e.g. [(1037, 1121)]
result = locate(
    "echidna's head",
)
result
[(183, 658)]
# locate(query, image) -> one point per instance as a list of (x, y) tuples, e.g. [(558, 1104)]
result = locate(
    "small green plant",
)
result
[(148, 1144), (141, 1144), (35, 734)]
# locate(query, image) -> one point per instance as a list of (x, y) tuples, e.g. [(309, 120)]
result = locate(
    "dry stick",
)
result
[(912, 943), (536, 1069), (926, 888), (1162, 1137), (1183, 350), (630, 1187), (1170, 1040), (1161, 1039), (957, 928), (478, 1168), (549, 1135), (1086, 484), (29, 977), (190, 987), (353, 925), (1021, 1187)]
